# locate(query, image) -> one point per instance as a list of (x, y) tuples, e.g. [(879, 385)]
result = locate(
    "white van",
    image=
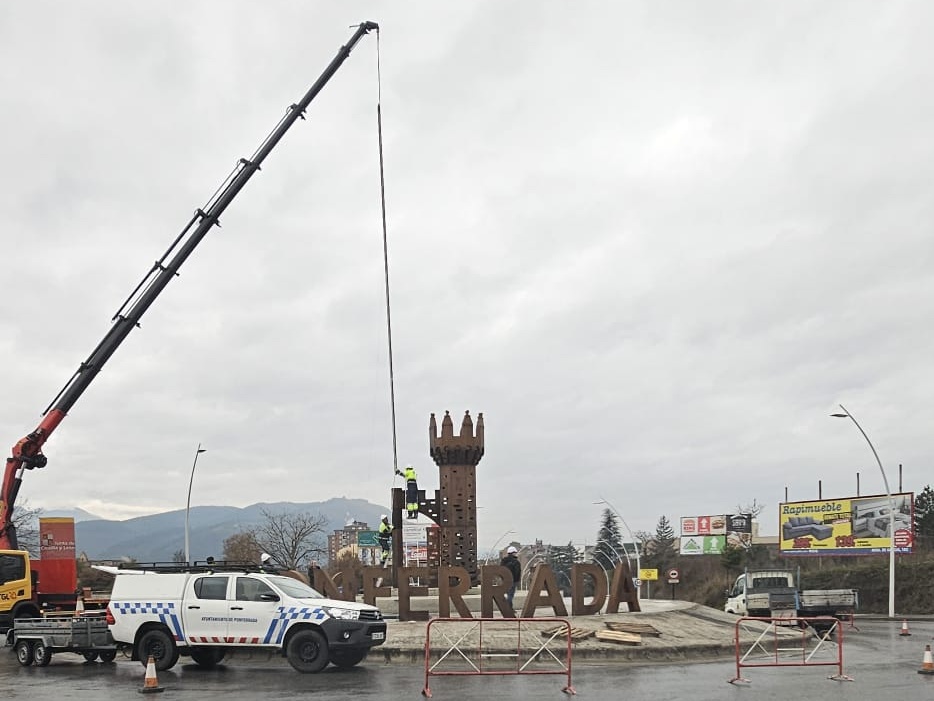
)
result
[(207, 611)]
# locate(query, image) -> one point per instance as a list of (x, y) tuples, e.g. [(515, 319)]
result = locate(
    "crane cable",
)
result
[(382, 195)]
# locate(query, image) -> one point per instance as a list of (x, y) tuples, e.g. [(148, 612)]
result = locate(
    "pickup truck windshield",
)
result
[(294, 588)]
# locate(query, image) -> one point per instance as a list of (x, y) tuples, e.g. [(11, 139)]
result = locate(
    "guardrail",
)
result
[(497, 647), (791, 642)]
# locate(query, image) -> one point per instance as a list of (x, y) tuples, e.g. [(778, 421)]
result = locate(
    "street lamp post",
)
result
[(498, 541), (632, 538), (188, 503), (619, 558), (527, 571), (847, 415)]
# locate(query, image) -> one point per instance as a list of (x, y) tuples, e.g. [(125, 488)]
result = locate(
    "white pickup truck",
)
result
[(773, 594), (207, 611)]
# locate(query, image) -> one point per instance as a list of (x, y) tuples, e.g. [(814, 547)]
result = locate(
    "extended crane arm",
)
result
[(27, 453)]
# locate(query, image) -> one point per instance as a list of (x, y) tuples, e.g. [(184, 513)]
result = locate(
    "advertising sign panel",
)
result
[(739, 523), (416, 553), (415, 543), (57, 555), (703, 525), (853, 526), (702, 545), (57, 539), (708, 535), (414, 533)]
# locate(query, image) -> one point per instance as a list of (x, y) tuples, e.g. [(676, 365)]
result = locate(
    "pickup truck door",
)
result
[(205, 610), (253, 608)]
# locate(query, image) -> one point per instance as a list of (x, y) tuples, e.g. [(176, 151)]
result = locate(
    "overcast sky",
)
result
[(655, 244)]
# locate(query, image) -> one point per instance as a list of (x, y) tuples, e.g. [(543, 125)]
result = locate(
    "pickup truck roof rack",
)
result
[(209, 565)]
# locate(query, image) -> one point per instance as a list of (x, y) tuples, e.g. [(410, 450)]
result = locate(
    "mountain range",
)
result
[(156, 538)]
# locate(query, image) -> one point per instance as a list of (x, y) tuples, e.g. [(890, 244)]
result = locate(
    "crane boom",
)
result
[(27, 453)]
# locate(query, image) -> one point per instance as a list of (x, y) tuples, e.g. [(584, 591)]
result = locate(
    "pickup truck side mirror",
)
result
[(268, 597)]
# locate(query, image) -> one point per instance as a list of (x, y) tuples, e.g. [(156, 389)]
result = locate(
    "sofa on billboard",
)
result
[(875, 522), (800, 526)]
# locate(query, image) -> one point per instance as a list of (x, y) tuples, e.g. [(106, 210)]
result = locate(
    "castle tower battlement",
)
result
[(466, 448), (457, 458)]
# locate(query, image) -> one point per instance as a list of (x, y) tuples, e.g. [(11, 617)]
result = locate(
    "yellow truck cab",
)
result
[(17, 591)]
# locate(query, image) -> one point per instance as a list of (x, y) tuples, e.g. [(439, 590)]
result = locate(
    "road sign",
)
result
[(649, 574), (367, 539), (673, 574)]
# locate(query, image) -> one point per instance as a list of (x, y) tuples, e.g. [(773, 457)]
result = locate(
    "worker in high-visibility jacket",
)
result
[(411, 490), (384, 538)]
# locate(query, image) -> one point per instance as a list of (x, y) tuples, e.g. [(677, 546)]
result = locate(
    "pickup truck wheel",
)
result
[(42, 653), (89, 656), (347, 658), (308, 651), (207, 657), (24, 653), (159, 644), (107, 655)]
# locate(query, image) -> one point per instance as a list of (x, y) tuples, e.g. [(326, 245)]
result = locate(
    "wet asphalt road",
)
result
[(882, 663)]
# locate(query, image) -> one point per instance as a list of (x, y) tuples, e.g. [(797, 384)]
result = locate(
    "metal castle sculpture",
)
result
[(454, 507)]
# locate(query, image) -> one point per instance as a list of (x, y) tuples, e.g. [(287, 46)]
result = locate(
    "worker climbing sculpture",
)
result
[(453, 509), (452, 549)]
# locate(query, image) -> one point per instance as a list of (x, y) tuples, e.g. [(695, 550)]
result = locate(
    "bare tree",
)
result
[(291, 538), (26, 522), (753, 509), (242, 547), (744, 540)]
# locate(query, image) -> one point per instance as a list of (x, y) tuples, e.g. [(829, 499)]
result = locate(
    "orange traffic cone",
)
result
[(905, 630), (151, 683), (927, 664)]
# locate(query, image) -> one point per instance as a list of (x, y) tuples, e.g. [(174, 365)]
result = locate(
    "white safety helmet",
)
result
[(383, 517), (265, 557), (511, 550)]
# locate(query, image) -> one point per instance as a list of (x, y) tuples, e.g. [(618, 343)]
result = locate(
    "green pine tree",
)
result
[(561, 559), (924, 517), (609, 549), (662, 553)]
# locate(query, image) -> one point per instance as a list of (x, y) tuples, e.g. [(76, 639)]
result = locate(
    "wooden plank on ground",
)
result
[(624, 627), (615, 636), (576, 633)]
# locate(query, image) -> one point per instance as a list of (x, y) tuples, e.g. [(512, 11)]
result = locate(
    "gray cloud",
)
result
[(654, 244)]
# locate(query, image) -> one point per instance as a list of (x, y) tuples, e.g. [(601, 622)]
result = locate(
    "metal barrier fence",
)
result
[(791, 642), (497, 647)]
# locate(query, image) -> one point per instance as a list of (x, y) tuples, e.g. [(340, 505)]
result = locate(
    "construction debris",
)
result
[(576, 633), (615, 636), (642, 628)]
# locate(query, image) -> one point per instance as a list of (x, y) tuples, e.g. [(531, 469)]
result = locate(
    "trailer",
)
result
[(36, 639)]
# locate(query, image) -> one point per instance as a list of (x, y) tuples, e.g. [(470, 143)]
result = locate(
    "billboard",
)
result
[(853, 526), (709, 535), (702, 545), (703, 525)]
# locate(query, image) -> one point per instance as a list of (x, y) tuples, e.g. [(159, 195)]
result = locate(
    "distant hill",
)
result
[(77, 514), (157, 537)]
